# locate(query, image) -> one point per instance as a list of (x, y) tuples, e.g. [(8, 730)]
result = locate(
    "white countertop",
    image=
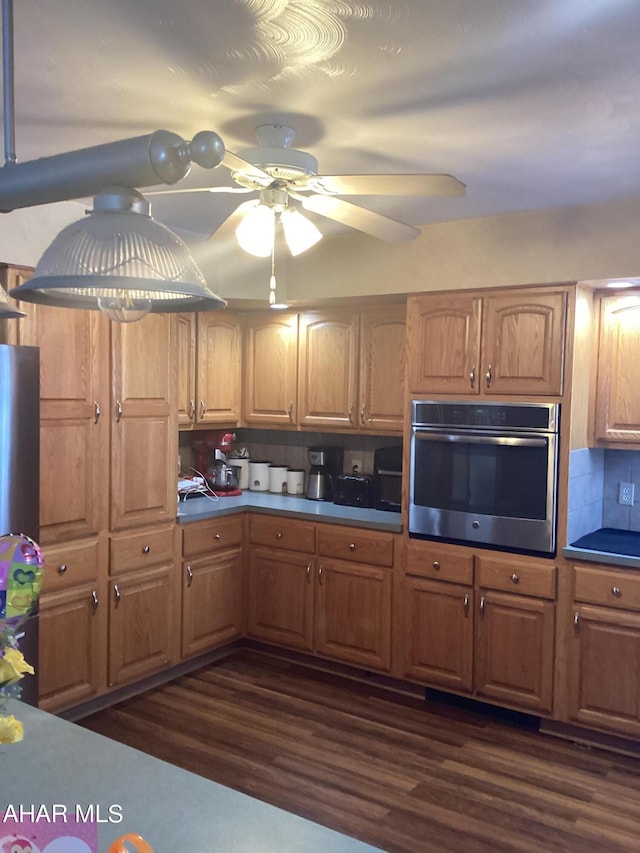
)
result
[(196, 509), (174, 811)]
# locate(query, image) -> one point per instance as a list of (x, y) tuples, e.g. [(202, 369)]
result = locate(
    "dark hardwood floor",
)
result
[(392, 770)]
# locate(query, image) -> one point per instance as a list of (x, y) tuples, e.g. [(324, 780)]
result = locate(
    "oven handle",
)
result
[(509, 441)]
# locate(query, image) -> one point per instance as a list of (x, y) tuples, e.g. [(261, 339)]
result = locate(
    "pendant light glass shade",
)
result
[(120, 261), (255, 231), (299, 232)]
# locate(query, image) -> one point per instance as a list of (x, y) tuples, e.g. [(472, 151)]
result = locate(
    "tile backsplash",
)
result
[(281, 447), (594, 475)]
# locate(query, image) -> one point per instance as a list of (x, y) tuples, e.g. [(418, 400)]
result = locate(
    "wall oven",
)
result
[(485, 473)]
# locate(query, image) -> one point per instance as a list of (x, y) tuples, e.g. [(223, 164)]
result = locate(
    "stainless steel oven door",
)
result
[(488, 488)]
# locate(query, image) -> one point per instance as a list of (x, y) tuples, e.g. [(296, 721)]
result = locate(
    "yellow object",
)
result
[(13, 666), (11, 730)]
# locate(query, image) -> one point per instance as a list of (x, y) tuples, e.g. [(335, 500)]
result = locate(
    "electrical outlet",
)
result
[(356, 462), (625, 493)]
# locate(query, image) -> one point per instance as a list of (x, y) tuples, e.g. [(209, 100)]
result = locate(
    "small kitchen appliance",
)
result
[(353, 489), (326, 463), (387, 478)]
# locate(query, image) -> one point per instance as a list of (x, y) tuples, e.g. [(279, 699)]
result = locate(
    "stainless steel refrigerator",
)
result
[(20, 469)]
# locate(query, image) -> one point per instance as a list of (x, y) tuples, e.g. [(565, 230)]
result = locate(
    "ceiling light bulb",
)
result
[(255, 232), (299, 232), (123, 308)]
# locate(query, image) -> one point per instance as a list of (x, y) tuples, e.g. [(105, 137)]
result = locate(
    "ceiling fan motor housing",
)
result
[(276, 157)]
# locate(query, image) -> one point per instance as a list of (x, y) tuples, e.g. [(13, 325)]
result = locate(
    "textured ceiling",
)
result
[(530, 103)]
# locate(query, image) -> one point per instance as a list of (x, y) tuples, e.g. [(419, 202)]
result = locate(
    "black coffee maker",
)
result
[(325, 463)]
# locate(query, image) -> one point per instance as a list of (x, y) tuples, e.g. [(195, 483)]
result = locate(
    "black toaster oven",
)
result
[(353, 490), (387, 478)]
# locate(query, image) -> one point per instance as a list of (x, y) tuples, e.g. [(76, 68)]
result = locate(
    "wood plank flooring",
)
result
[(394, 771)]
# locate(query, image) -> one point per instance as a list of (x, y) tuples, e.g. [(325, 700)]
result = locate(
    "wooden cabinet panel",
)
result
[(523, 343), (607, 587), (441, 562), (71, 564), (443, 331), (362, 546), (139, 550), (438, 624), (72, 658), (604, 670), (515, 650), (271, 369), (141, 624), (211, 536), (511, 573), (281, 592), (382, 360), (211, 602), (617, 399), (327, 372), (353, 613), (186, 360), (218, 368), (282, 533)]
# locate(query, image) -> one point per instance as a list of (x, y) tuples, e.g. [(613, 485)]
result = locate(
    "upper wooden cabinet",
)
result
[(617, 398), (271, 369), (209, 347), (502, 343), (351, 369)]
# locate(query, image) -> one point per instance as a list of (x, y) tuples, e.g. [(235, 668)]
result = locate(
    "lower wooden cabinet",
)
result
[(211, 602)]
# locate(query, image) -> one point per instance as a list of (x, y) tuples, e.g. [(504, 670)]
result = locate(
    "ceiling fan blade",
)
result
[(237, 164), (409, 185), (202, 190), (229, 225), (359, 217)]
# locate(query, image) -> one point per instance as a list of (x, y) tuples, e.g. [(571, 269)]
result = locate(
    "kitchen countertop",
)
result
[(197, 509), (609, 546), (173, 810)]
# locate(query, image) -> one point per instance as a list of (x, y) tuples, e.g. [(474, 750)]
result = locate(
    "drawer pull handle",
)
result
[(62, 569), (96, 411), (363, 420), (472, 376), (352, 546), (615, 590), (94, 599), (278, 535), (203, 409), (515, 578), (116, 591), (192, 410), (482, 606), (320, 571), (217, 536), (436, 566), (146, 549), (118, 411), (189, 576), (290, 411), (576, 620), (489, 376), (465, 604), (308, 572)]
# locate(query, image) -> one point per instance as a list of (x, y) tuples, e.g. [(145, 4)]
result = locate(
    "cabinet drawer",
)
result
[(526, 577), (443, 562), (150, 547), (604, 586), (282, 532), (208, 537), (352, 543), (69, 565)]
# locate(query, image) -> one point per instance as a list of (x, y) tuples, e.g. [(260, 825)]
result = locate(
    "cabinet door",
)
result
[(218, 368), (211, 602), (74, 420), (72, 659), (327, 374), (281, 598), (438, 634), (617, 398), (523, 343), (515, 650), (271, 369), (604, 670), (353, 613), (141, 624), (382, 361), (443, 333), (144, 443), (186, 358)]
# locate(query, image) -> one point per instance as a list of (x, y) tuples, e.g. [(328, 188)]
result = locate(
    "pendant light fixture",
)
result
[(255, 233), (117, 259)]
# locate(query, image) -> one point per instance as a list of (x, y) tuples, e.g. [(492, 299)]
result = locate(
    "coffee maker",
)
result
[(325, 463)]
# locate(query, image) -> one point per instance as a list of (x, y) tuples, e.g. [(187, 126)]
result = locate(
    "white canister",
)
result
[(259, 476), (295, 481), (278, 479), (243, 465)]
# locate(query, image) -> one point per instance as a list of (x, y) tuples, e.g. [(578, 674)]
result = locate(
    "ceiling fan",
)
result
[(281, 174)]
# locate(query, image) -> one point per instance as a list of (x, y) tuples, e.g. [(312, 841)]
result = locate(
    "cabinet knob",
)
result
[(217, 536), (436, 566), (146, 549), (352, 546), (616, 591), (62, 569), (278, 535), (515, 578)]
